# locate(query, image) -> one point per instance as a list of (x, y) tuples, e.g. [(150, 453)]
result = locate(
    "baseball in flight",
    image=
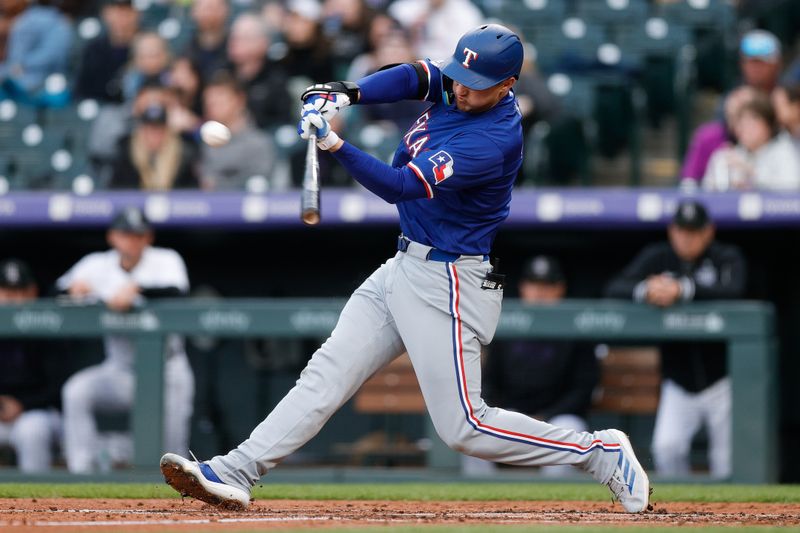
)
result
[(215, 133)]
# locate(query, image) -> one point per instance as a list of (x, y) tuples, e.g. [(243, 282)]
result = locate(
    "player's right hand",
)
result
[(312, 121)]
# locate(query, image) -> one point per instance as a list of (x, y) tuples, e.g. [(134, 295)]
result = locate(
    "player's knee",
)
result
[(74, 393), (670, 448), (30, 432)]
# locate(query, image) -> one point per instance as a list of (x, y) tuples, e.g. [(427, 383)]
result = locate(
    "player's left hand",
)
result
[(330, 98), (311, 119), (124, 299)]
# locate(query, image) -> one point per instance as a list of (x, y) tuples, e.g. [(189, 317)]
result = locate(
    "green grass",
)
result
[(419, 491)]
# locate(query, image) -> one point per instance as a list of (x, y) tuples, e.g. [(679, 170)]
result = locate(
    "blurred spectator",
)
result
[(760, 60), (105, 57), (265, 82), (150, 62), (786, 101), (29, 392), (346, 24), (308, 50), (123, 278), (390, 47), (154, 157), (436, 25), (760, 63), (184, 104), (39, 45), (764, 156), (208, 46), (714, 135), (549, 380), (9, 9), (695, 389), (250, 152)]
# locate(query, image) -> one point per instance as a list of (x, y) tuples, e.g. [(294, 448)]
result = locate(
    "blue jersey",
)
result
[(454, 171)]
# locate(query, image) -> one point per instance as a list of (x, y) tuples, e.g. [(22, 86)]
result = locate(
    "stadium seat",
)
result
[(525, 15), (571, 45), (13, 118), (613, 12)]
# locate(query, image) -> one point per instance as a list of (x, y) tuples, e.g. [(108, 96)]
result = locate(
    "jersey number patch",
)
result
[(442, 166)]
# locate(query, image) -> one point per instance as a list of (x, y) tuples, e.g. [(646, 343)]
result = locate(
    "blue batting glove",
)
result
[(309, 118), (313, 119)]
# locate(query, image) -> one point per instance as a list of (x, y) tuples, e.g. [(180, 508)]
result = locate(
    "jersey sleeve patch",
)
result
[(442, 166)]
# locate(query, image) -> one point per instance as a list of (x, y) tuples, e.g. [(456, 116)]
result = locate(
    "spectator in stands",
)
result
[(390, 46), (786, 101), (308, 50), (154, 156), (265, 81), (29, 392), (9, 9), (345, 24), (760, 60), (714, 135), (184, 102), (696, 390), (104, 58), (760, 63), (150, 63), (436, 24), (250, 153), (39, 45), (208, 47), (124, 278), (550, 380), (765, 157)]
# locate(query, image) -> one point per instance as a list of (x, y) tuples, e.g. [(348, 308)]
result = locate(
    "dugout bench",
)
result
[(747, 328)]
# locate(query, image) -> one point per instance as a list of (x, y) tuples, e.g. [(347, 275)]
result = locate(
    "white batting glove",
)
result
[(329, 104), (330, 98), (311, 119)]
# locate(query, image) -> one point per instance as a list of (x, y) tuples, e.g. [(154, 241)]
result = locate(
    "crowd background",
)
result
[(109, 95), (612, 90)]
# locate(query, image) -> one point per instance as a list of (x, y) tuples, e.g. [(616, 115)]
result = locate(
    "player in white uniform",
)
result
[(125, 277)]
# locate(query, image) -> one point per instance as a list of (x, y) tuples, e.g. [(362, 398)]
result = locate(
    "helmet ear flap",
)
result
[(447, 90)]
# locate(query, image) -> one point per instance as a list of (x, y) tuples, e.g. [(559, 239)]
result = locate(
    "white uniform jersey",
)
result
[(159, 268)]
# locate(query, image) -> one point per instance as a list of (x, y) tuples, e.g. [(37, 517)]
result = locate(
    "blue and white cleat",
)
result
[(195, 479), (629, 482)]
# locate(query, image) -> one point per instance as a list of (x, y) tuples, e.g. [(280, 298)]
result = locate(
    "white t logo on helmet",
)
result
[(469, 56)]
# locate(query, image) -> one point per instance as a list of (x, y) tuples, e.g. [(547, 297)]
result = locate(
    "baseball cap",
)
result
[(691, 214), (15, 274), (131, 220), (153, 114), (308, 9), (760, 44), (544, 269)]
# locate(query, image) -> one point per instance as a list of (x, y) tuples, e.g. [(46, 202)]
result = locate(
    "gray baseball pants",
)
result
[(438, 313)]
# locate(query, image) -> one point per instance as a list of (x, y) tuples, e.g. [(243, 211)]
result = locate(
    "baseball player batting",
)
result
[(439, 297)]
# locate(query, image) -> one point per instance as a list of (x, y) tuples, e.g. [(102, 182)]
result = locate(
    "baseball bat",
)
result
[(310, 200)]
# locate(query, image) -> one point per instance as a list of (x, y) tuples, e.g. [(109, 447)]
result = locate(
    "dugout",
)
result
[(330, 261)]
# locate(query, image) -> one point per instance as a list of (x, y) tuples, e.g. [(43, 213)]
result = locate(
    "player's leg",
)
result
[(178, 402), (717, 401), (364, 340), (33, 435), (677, 420), (96, 388), (444, 317)]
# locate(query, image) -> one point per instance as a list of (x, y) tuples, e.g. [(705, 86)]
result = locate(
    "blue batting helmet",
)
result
[(485, 57)]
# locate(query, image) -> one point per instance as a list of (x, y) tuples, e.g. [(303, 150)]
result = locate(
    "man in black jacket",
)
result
[(695, 388), (29, 386)]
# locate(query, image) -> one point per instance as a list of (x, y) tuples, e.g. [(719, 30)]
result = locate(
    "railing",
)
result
[(746, 327)]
